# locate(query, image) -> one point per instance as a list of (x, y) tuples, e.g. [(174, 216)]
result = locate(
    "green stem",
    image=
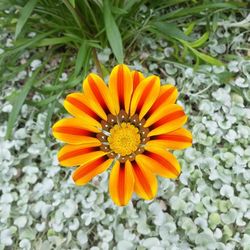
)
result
[(74, 13), (97, 63)]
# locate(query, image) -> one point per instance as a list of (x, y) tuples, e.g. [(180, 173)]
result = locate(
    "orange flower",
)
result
[(129, 125)]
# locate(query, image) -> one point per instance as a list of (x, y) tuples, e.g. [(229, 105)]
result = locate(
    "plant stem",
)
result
[(97, 63)]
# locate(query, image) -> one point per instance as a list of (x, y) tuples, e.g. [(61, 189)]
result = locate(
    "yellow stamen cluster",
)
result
[(124, 139)]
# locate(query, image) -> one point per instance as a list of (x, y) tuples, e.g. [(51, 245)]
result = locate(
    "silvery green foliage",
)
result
[(208, 207)]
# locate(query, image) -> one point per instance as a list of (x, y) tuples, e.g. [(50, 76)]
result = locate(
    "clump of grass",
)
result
[(74, 28)]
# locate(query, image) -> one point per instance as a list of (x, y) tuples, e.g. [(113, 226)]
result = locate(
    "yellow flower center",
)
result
[(124, 139)]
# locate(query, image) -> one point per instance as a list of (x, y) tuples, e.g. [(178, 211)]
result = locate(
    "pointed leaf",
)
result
[(25, 14), (19, 102), (113, 33)]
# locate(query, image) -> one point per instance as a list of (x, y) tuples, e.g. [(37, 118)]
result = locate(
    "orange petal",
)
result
[(178, 139), (160, 162), (121, 87), (95, 87), (145, 181), (121, 183), (75, 131), (137, 78), (79, 105), (166, 119), (72, 155), (145, 95), (86, 172), (168, 95)]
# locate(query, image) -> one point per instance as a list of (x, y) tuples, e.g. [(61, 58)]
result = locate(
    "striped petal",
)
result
[(97, 90), (121, 87), (83, 174), (137, 78), (160, 162), (178, 139), (145, 95), (145, 181), (121, 183), (75, 131), (79, 105), (72, 155), (168, 95), (166, 119)]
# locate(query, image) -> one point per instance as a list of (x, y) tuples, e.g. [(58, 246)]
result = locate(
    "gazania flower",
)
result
[(129, 125)]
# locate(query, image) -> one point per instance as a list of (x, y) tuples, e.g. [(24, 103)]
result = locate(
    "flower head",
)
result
[(130, 125)]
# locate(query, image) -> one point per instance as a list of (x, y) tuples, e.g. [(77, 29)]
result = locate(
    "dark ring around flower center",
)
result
[(117, 120)]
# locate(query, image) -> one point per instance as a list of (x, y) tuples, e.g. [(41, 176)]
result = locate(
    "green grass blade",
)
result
[(113, 33), (25, 14), (19, 100), (73, 3)]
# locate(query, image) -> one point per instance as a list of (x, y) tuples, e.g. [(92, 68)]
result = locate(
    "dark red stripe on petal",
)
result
[(162, 99), (97, 93), (89, 167), (72, 131), (120, 86), (145, 93), (121, 183), (163, 161), (170, 117), (81, 106), (169, 137), (142, 179), (136, 80), (76, 153)]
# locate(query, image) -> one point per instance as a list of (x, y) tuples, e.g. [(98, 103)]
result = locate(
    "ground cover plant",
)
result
[(47, 49)]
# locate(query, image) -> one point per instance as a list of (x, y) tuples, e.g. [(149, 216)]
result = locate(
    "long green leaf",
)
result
[(54, 41), (25, 13), (190, 28), (167, 4), (44, 103), (206, 58), (170, 30), (198, 9), (113, 33), (200, 55), (71, 83), (81, 57), (51, 107), (50, 112), (75, 15), (20, 46), (73, 3), (199, 42), (19, 100)]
